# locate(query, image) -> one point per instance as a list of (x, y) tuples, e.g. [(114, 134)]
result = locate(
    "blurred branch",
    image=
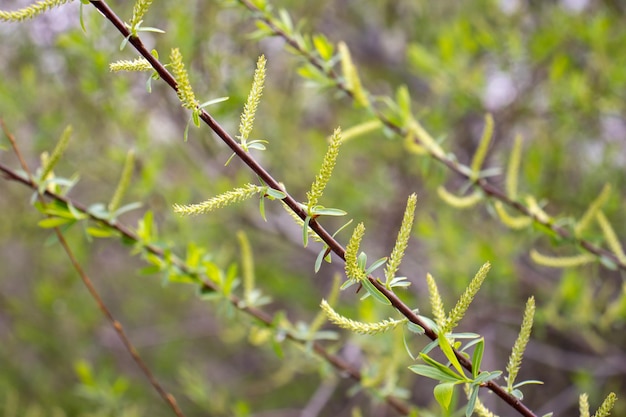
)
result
[(338, 363), (119, 329), (450, 161)]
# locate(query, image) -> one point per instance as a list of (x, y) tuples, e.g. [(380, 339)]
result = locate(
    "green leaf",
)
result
[(150, 29), (362, 261), (305, 231), (399, 282), (466, 335), (443, 368), (323, 47), (145, 228), (186, 134), (312, 73), (608, 263), (195, 116), (320, 258), (126, 208), (275, 193), (446, 348), (258, 146), (432, 373), (406, 345), (230, 281), (149, 84), (484, 377), (527, 382), (214, 101), (424, 61), (403, 99), (430, 346), (375, 292), (286, 20), (52, 222), (430, 323), (471, 401), (124, 42), (477, 357), (375, 265), (347, 284), (342, 227), (262, 208), (177, 276), (58, 210), (101, 232), (277, 347), (443, 394), (81, 17), (322, 211), (415, 328), (78, 215)]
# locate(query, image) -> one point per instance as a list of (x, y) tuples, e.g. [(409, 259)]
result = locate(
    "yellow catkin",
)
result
[(30, 11), (357, 326), (254, 97), (515, 223), (561, 262), (456, 201), (139, 64), (222, 200), (483, 146)]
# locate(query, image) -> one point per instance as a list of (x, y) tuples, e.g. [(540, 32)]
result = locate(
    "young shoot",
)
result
[(139, 10)]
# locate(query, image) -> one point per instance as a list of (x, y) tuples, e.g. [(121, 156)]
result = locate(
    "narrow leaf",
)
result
[(100, 232), (432, 373), (477, 357), (447, 350), (471, 401), (305, 231), (375, 292), (443, 368), (53, 222)]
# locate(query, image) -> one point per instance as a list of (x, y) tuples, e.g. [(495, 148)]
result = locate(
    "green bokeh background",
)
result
[(545, 70)]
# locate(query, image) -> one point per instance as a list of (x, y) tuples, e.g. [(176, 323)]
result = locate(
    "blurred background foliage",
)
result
[(552, 71)]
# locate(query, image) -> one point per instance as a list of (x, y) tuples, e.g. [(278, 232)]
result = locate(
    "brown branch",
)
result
[(334, 245)]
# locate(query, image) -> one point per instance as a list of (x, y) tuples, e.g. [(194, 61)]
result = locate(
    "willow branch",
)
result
[(334, 245)]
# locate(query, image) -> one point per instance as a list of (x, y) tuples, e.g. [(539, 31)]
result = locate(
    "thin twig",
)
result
[(167, 397), (333, 244)]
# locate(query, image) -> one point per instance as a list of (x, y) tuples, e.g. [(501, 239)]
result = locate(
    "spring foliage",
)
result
[(330, 65)]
